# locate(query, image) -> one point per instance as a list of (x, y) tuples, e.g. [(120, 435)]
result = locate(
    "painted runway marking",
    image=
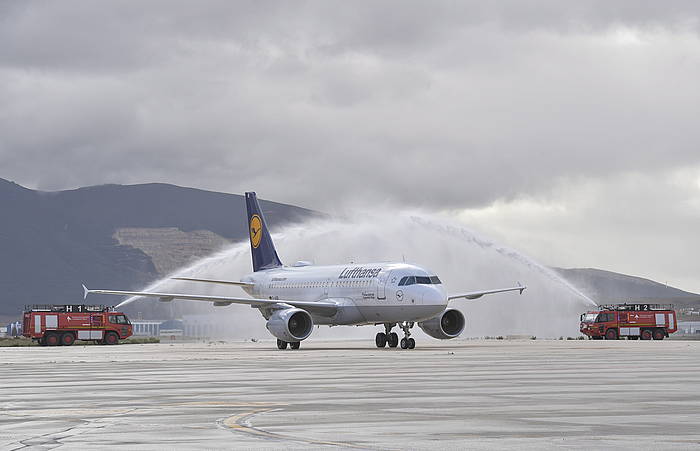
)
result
[(240, 422)]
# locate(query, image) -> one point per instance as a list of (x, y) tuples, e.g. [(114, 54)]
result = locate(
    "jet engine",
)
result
[(290, 325), (448, 324)]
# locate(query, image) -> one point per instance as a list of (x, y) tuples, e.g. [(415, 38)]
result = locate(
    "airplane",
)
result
[(293, 299)]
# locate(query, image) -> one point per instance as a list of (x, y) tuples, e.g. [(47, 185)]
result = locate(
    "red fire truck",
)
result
[(634, 321), (54, 325)]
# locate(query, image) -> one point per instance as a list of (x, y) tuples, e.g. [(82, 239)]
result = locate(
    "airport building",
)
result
[(146, 328), (194, 326), (689, 327)]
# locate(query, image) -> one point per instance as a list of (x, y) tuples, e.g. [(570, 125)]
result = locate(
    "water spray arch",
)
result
[(464, 260)]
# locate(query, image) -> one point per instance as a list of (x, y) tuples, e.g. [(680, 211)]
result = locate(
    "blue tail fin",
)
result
[(264, 253)]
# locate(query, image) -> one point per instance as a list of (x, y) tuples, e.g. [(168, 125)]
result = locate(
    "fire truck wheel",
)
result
[(646, 334), (659, 334), (111, 338), (611, 334), (67, 339), (51, 339)]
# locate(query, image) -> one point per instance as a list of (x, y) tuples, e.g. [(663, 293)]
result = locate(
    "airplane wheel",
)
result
[(658, 334), (393, 340), (404, 343), (411, 343), (281, 344), (380, 340), (294, 345), (67, 339)]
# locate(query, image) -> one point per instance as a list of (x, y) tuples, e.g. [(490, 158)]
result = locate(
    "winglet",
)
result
[(522, 287), (85, 292)]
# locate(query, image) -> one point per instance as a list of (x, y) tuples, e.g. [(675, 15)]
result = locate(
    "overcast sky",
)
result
[(569, 130)]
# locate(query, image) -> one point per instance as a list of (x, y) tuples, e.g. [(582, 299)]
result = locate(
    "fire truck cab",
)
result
[(634, 321), (54, 325)]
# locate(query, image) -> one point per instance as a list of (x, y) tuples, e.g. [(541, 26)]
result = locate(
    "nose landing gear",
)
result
[(407, 342)]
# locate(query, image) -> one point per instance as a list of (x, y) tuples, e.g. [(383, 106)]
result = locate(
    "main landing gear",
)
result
[(292, 345), (392, 339)]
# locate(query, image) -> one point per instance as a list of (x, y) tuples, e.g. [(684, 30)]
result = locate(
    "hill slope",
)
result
[(50, 242)]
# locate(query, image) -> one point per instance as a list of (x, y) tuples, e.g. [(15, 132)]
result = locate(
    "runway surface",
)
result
[(472, 394)]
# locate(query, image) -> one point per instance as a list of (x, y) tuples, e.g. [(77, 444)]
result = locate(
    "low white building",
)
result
[(194, 326), (146, 328), (689, 327)]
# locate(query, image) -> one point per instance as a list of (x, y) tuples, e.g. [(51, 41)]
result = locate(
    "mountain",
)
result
[(126, 236), (111, 235), (606, 287)]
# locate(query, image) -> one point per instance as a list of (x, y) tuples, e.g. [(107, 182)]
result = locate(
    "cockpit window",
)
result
[(424, 280)]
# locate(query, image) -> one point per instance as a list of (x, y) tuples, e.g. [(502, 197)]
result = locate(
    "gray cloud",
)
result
[(416, 103), (636, 223)]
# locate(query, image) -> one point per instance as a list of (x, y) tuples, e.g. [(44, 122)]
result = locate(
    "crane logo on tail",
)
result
[(255, 230)]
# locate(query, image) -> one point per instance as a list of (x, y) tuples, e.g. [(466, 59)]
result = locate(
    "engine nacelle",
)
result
[(290, 325), (446, 325)]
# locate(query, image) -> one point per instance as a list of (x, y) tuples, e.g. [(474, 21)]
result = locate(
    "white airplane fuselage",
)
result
[(365, 293)]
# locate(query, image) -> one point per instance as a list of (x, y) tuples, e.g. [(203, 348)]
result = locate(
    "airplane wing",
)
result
[(224, 282), (478, 294), (321, 307)]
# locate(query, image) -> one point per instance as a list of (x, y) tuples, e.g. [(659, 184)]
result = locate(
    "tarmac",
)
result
[(466, 394)]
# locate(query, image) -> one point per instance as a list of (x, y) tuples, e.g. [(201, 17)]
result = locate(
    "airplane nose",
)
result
[(434, 296)]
